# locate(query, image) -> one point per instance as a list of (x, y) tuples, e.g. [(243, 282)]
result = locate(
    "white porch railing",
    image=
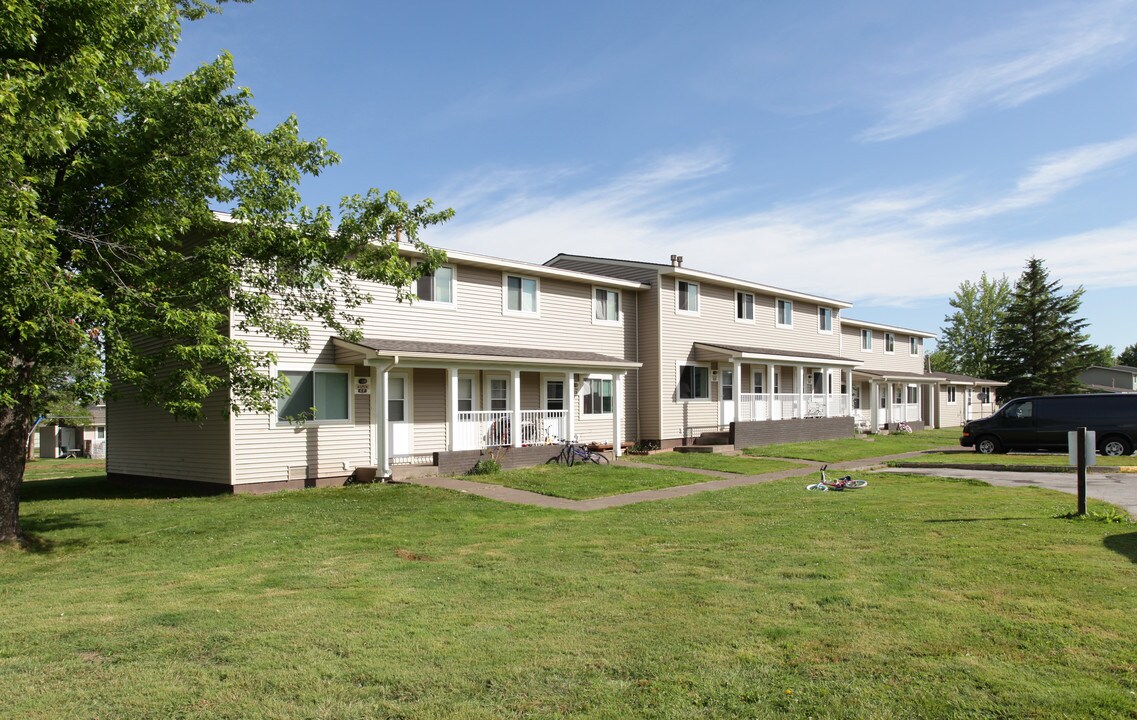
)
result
[(757, 406), (493, 428)]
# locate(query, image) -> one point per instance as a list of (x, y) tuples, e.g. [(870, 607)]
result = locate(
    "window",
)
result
[(499, 394), (744, 306), (866, 340), (554, 394), (465, 394), (951, 394), (439, 287), (759, 376), (100, 433), (785, 313), (397, 399), (314, 395), (913, 346), (899, 395), (520, 294), (597, 396), (606, 306), (687, 297), (913, 394), (824, 319), (856, 397), (727, 384), (694, 382), (889, 342)]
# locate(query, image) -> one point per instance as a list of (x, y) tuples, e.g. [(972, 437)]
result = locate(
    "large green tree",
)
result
[(1040, 344), (967, 341), (1128, 356), (108, 177)]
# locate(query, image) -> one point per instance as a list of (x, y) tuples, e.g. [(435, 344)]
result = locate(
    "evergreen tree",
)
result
[(1039, 344)]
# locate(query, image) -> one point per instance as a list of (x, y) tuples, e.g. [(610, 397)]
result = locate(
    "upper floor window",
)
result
[(866, 340), (687, 297), (744, 306), (785, 309), (824, 319), (694, 382), (314, 396), (913, 346), (606, 305), (438, 287), (889, 342), (520, 294), (597, 396)]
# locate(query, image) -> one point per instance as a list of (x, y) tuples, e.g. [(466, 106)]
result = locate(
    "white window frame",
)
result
[(619, 306), (474, 399), (441, 304), (738, 295), (274, 417), (910, 391), (698, 299), (951, 395), (789, 305), (758, 382), (825, 313), (506, 310), (545, 380), (601, 378), (889, 343), (679, 381), (866, 334), (913, 346)]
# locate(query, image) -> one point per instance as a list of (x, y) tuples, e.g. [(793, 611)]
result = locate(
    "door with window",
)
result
[(726, 397), (399, 437), (498, 403)]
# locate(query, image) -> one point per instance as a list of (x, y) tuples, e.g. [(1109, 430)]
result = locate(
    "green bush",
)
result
[(485, 466)]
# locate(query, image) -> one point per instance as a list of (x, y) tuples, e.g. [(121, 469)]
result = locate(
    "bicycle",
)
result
[(572, 453), (843, 483)]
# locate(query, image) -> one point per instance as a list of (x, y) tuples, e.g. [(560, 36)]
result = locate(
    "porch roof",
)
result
[(376, 349), (898, 375), (721, 351), (957, 379)]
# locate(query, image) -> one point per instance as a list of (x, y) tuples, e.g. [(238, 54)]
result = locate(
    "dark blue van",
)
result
[(1041, 423)]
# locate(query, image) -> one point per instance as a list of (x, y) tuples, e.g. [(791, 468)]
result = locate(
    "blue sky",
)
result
[(878, 152)]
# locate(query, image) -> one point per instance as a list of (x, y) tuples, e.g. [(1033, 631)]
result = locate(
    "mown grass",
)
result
[(739, 464), (912, 598), (586, 480), (968, 457), (48, 468), (861, 447)]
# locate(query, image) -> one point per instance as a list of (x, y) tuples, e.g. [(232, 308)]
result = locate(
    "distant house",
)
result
[(71, 437), (960, 398), (1119, 378)]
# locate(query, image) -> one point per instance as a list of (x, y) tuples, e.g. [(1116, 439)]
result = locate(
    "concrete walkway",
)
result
[(722, 481)]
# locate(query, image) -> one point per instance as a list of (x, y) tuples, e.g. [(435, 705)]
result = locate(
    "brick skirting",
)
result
[(772, 432), (459, 462)]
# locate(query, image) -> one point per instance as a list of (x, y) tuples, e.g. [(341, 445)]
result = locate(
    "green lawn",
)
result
[(912, 598), (585, 481), (45, 469), (739, 464), (970, 457), (859, 448)]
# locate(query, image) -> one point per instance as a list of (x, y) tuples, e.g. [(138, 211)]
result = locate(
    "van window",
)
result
[(1020, 410)]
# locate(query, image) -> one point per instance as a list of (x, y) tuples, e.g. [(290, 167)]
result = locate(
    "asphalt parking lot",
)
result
[(1117, 488)]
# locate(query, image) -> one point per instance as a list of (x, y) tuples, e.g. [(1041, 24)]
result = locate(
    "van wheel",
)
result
[(1115, 446), (988, 445)]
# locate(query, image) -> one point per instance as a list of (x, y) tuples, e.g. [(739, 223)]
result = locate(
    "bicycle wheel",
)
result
[(598, 458), (818, 486), (570, 456), (856, 483)]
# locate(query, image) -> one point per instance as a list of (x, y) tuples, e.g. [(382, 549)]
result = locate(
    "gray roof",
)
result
[(897, 374), (956, 377), (416, 347)]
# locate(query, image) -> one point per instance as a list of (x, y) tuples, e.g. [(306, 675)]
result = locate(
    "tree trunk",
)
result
[(15, 423)]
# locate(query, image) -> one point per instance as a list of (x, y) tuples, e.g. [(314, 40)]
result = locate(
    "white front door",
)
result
[(399, 438), (726, 397)]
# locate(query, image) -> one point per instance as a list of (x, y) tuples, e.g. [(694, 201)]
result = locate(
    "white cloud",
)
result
[(1045, 52), (873, 248)]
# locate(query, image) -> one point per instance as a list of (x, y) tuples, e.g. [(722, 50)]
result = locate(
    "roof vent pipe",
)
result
[(676, 261)]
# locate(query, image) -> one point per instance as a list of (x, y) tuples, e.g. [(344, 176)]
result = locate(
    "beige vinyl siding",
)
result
[(428, 410), (149, 442), (716, 322), (950, 415), (899, 361)]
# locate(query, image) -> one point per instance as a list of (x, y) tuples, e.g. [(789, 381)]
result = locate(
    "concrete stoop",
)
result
[(720, 449), (406, 473)]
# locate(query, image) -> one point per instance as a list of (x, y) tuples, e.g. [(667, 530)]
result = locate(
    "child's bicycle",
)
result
[(572, 453), (843, 483)]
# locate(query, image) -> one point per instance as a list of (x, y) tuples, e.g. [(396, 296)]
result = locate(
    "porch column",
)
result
[(800, 387), (617, 414), (737, 365), (874, 405), (827, 381), (382, 444), (849, 393), (570, 408), (515, 396), (889, 410), (452, 408), (769, 391)]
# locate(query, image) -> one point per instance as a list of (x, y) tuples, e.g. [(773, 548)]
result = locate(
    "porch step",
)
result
[(723, 449), (719, 437), (402, 473)]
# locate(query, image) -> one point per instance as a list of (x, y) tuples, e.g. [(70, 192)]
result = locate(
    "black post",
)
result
[(1081, 471)]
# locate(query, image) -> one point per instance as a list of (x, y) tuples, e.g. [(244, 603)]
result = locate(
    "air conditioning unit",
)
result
[(363, 386)]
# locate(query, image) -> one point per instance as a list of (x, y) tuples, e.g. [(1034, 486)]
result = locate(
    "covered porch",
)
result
[(437, 398), (883, 400)]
